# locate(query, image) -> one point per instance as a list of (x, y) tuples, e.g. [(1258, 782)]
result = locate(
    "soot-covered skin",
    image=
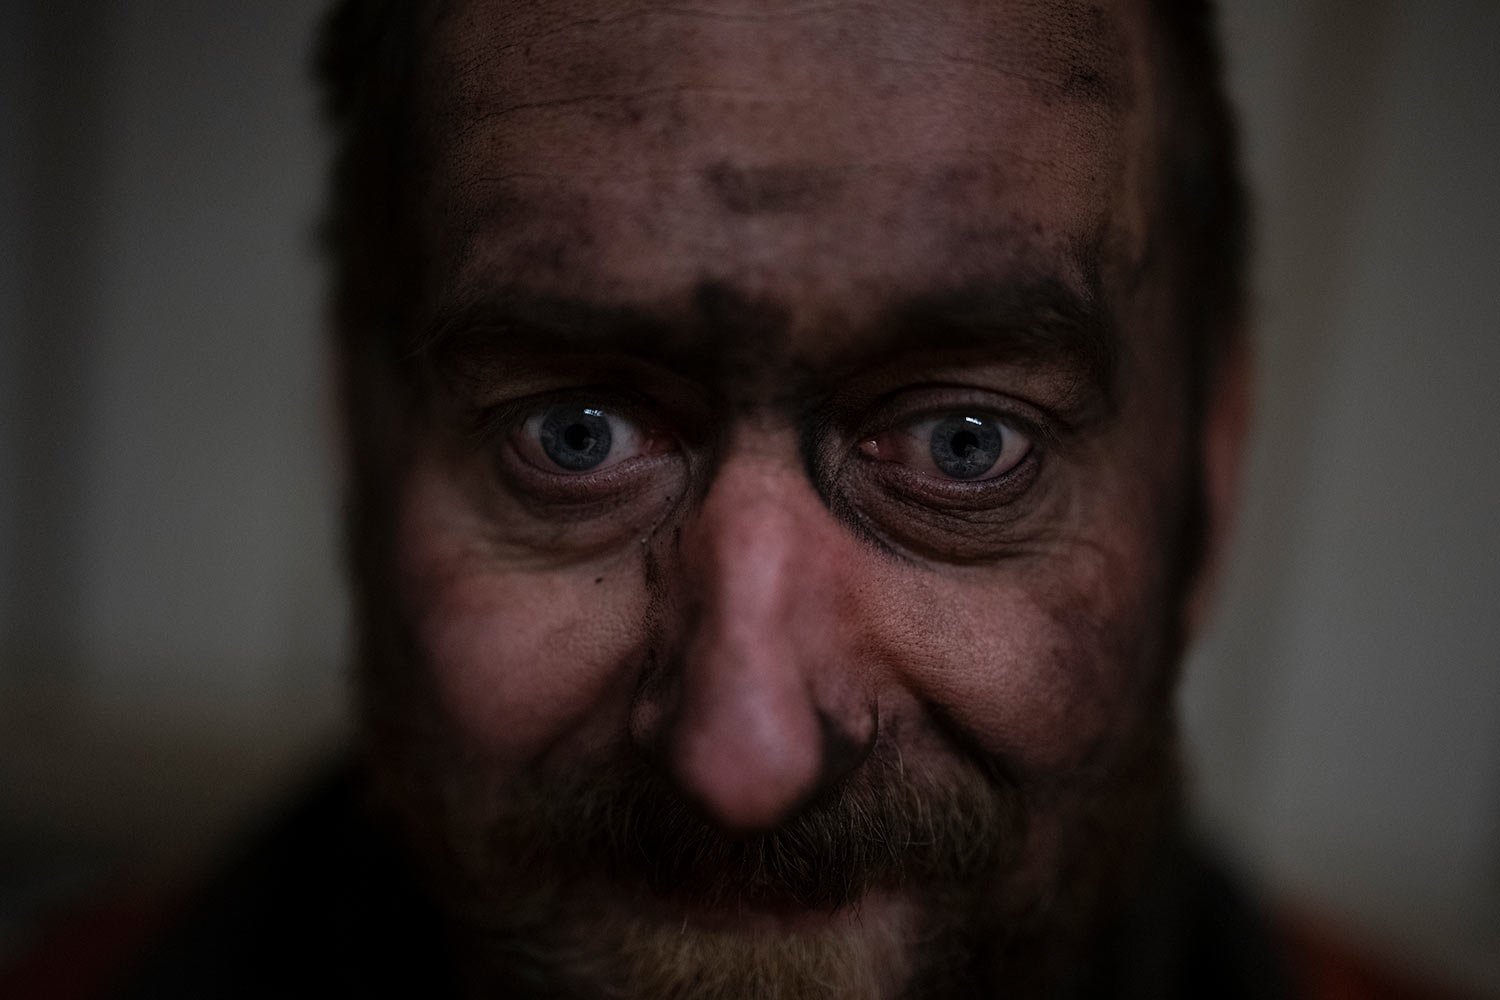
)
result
[(775, 244)]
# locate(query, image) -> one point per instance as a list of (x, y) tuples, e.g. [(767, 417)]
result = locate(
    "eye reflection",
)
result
[(578, 438), (962, 446)]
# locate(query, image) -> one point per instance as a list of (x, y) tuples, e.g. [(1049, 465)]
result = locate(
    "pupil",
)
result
[(964, 443), (577, 437)]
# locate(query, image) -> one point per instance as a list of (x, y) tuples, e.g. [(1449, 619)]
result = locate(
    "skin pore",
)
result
[(784, 562)]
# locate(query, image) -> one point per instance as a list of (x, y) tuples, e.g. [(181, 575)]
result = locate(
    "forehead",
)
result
[(823, 157)]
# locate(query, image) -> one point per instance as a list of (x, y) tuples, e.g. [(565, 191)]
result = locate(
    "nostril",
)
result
[(843, 749)]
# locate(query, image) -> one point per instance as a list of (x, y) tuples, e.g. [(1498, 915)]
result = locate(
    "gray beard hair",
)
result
[(585, 884), (624, 862)]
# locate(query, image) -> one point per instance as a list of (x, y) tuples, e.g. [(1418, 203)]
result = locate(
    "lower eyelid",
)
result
[(594, 493), (997, 491), (947, 522)]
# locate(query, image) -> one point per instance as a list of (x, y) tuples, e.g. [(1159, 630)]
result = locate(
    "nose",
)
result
[(771, 707)]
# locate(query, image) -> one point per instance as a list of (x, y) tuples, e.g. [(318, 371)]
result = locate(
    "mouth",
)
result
[(878, 837), (614, 877)]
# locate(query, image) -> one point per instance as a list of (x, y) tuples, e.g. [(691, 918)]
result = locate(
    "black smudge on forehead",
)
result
[(740, 324), (1097, 63), (747, 342), (774, 189), (735, 345), (1082, 51)]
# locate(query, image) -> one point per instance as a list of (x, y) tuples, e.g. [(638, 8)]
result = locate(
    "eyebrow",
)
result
[(1039, 323), (721, 334), (514, 321)]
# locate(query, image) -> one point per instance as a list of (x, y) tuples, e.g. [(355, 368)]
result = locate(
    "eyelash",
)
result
[(491, 423), (906, 406)]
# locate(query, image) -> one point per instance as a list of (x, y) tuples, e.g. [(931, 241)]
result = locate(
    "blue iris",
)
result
[(577, 438), (966, 447)]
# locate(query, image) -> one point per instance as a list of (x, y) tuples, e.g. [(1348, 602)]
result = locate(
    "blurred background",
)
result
[(172, 627)]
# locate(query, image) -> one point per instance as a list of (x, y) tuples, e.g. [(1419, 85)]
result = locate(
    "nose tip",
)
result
[(748, 763), (753, 765)]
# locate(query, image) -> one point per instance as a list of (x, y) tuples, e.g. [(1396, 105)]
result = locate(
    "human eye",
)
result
[(955, 446), (945, 473), (575, 438), (556, 466), (580, 454)]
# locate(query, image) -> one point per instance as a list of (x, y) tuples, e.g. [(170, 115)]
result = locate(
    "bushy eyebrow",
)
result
[(517, 321), (718, 336), (1038, 323)]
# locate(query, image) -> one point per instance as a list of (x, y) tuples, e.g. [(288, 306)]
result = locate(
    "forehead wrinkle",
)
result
[(1065, 50), (527, 230), (510, 218), (585, 119), (563, 111)]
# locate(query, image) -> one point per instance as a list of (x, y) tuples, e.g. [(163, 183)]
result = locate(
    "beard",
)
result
[(610, 882), (904, 879)]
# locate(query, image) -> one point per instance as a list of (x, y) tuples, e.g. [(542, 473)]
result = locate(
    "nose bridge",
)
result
[(759, 653), (748, 553)]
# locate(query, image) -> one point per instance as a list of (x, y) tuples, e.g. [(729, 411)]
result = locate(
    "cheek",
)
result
[(1053, 658), (1044, 667), (520, 658)]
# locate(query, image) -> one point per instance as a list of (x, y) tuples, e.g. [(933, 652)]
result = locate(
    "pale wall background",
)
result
[(171, 624)]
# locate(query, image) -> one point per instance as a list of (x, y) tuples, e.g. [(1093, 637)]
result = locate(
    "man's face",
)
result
[(785, 560)]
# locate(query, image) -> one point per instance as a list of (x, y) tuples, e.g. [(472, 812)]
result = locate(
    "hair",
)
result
[(1203, 214), (367, 64)]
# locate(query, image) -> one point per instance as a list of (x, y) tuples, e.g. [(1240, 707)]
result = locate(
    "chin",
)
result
[(613, 946)]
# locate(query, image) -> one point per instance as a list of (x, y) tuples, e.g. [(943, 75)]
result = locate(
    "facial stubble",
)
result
[(603, 880)]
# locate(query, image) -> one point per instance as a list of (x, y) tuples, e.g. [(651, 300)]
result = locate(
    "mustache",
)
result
[(883, 825)]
